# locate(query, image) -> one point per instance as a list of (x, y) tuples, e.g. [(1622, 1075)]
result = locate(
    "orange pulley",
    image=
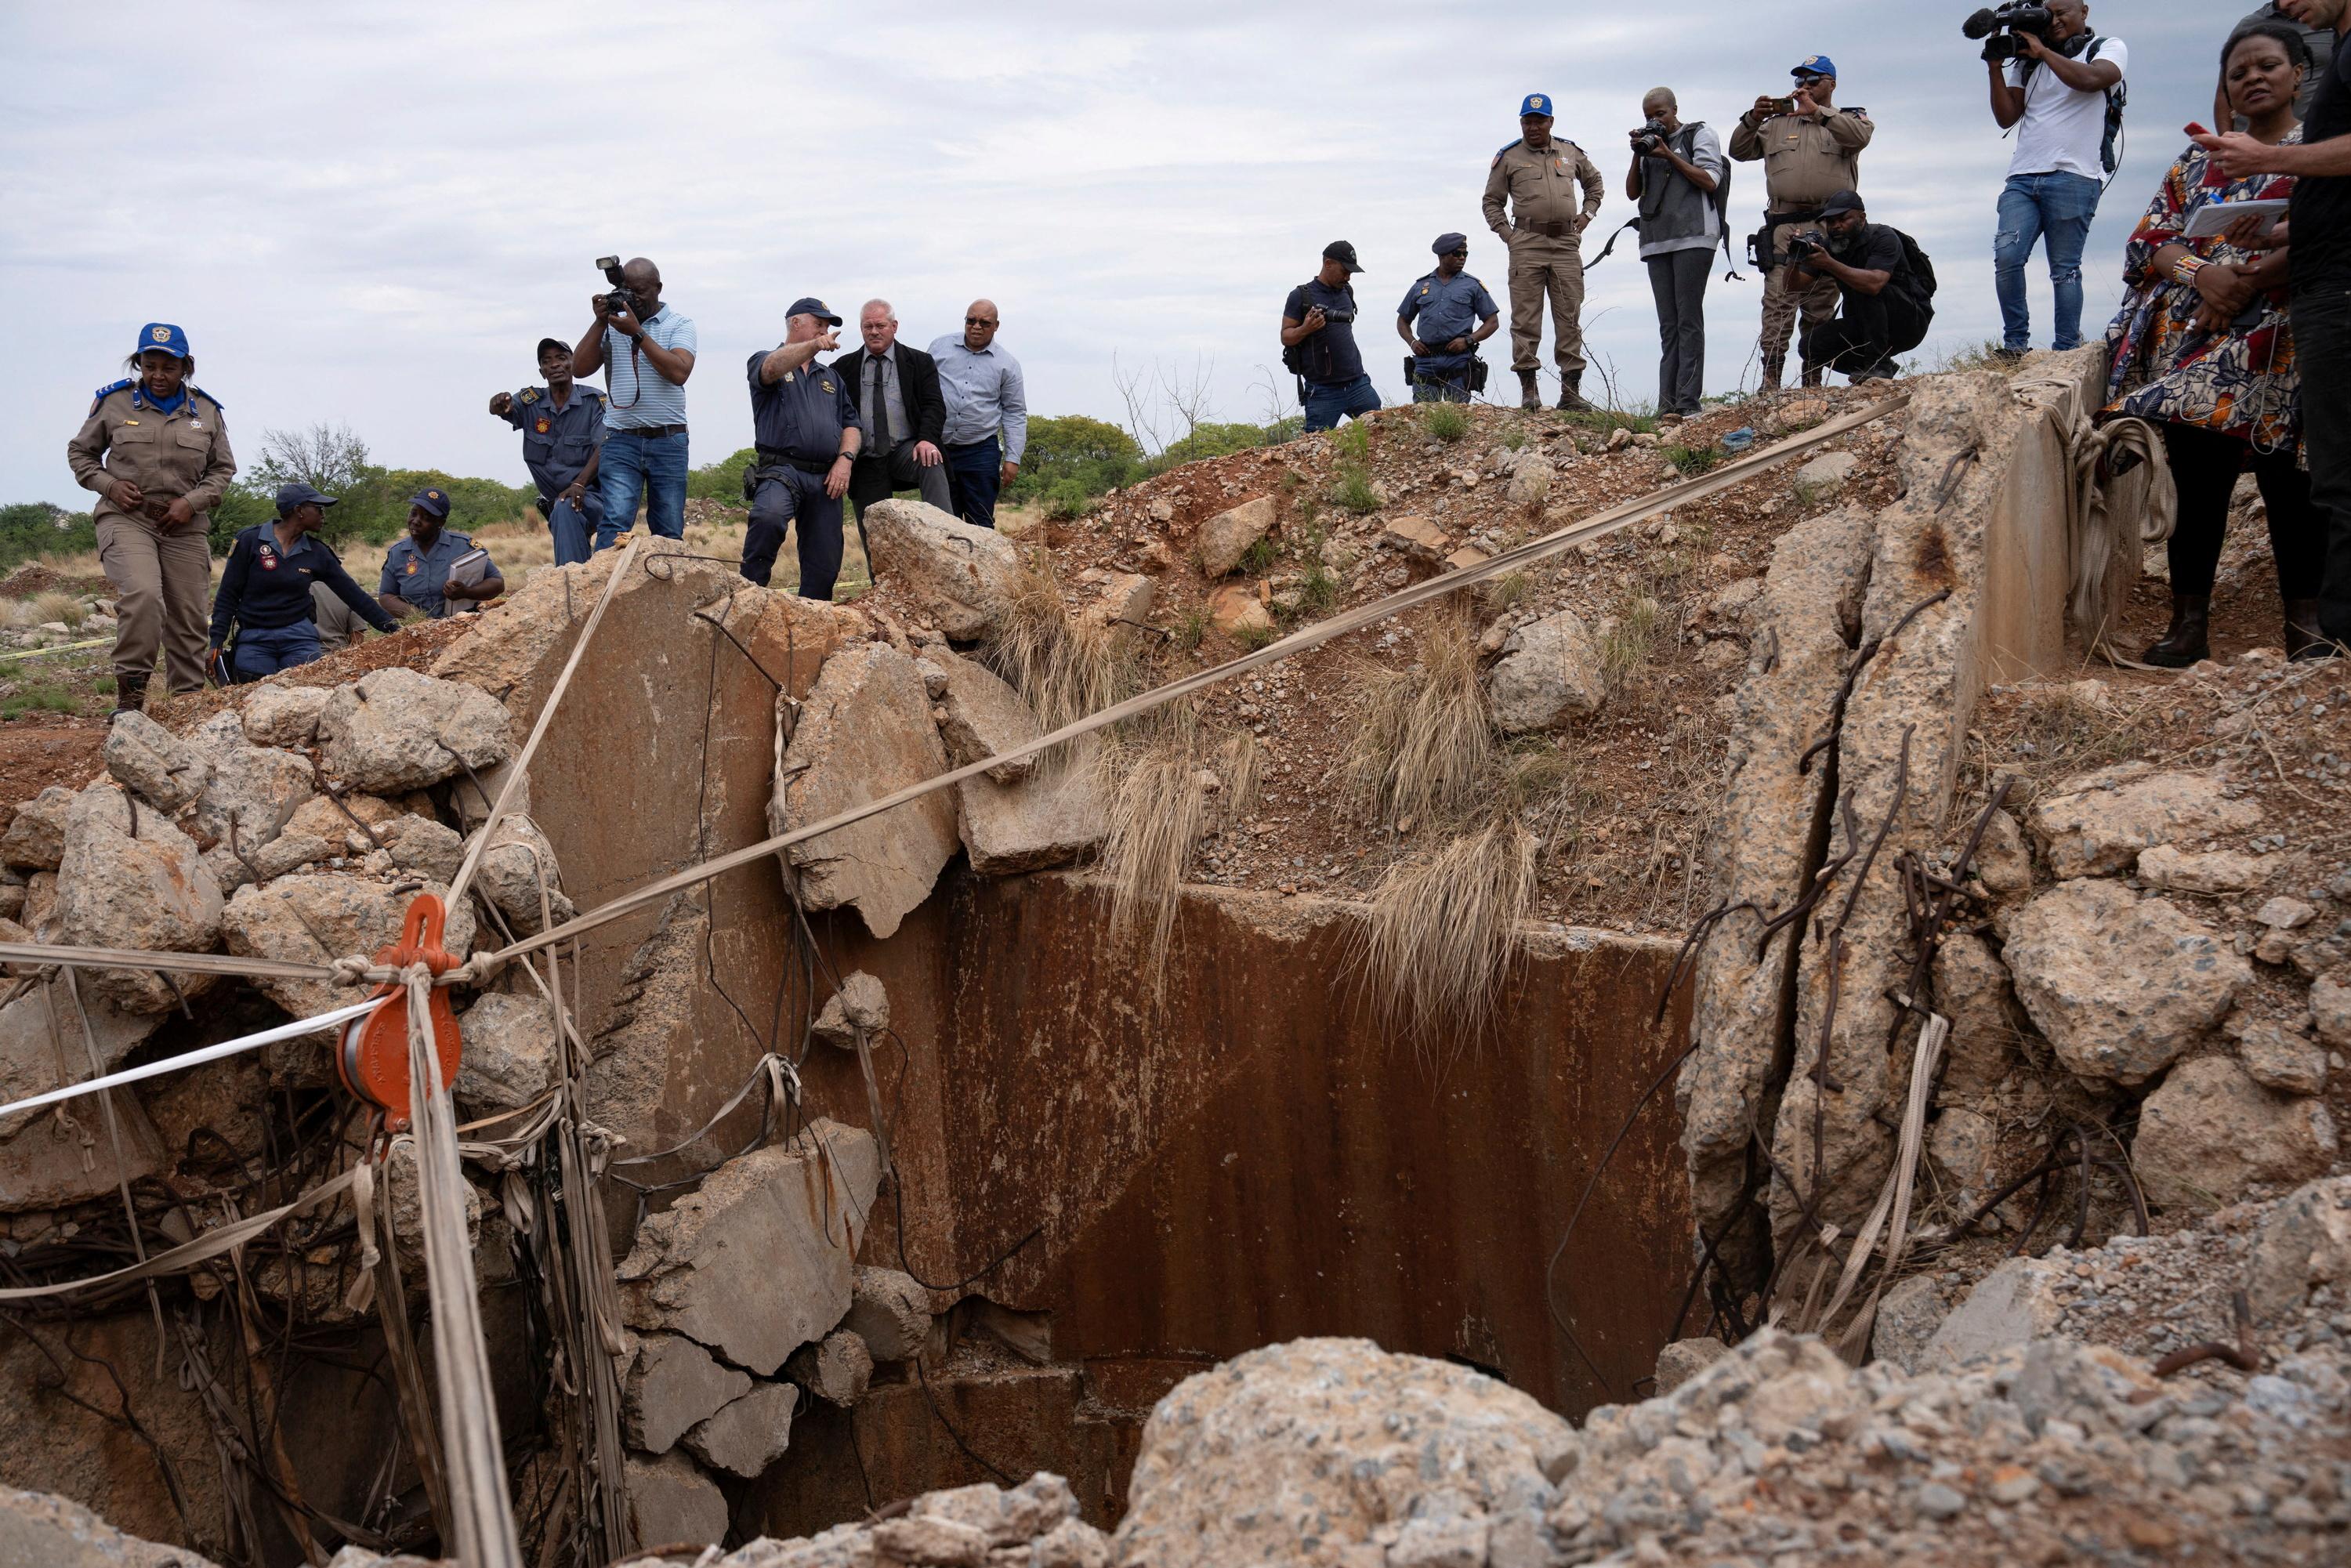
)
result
[(373, 1059)]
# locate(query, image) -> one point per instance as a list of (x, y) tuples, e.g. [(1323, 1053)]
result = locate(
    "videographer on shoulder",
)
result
[(649, 349), (2061, 87), (1681, 183), (2320, 227), (1884, 282), (1811, 150)]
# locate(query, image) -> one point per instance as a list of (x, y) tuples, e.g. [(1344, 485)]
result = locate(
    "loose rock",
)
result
[(1548, 672), (835, 1369), (750, 1434), (2120, 984), (2210, 1132), (145, 889), (509, 1057), (1228, 536), (395, 730), (861, 1003), (965, 578), (154, 764), (2101, 824), (674, 1386)]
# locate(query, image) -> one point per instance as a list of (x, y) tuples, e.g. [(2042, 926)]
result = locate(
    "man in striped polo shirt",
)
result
[(646, 353)]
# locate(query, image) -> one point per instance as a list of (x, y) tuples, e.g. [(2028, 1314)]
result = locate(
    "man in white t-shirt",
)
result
[(2055, 91)]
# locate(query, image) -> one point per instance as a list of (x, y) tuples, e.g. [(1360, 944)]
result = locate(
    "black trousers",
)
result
[(2322, 347), (1678, 278), (2204, 466), (1868, 329), (788, 500)]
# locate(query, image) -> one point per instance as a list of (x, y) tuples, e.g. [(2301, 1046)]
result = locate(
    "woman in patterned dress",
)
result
[(2203, 348)]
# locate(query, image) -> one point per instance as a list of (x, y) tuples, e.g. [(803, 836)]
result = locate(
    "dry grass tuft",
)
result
[(1066, 667), (1424, 746), (1436, 944), (56, 605), (1162, 783)]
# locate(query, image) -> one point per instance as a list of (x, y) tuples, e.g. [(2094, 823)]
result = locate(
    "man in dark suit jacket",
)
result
[(900, 411)]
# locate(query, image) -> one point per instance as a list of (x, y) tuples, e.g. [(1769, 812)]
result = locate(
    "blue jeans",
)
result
[(265, 651), (1326, 405), (2059, 208), (570, 528), (785, 496), (637, 465), (974, 474)]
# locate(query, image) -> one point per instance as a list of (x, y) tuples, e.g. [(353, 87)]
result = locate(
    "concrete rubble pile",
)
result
[(1032, 1525)]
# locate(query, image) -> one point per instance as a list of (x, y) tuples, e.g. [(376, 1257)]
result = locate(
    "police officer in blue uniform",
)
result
[(265, 590), (804, 417), (1444, 317), (417, 569), (562, 426)]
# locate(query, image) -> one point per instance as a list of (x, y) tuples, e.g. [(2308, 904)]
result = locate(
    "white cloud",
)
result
[(371, 217)]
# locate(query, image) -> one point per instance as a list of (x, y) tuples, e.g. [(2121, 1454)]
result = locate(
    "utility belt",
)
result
[(769, 457), (1471, 373), (1761, 254), (1549, 228)]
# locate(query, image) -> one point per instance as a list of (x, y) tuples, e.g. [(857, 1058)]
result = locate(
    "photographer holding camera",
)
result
[(1682, 184), (1886, 283), (1811, 150), (650, 350), (2062, 88), (1317, 343)]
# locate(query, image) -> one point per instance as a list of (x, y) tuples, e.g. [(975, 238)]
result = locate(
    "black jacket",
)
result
[(918, 384), (265, 588)]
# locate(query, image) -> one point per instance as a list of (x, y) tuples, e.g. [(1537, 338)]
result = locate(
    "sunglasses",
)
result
[(977, 321)]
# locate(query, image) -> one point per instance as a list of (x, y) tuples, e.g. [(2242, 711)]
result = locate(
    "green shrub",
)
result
[(1353, 489), (1090, 455), (722, 481), (1066, 498), (1445, 421), (1693, 460), (32, 528), (1353, 441)]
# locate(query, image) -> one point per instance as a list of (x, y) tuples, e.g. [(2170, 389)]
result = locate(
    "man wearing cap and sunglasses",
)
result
[(562, 426), (1317, 343), (1445, 313), (418, 570), (1538, 178), (154, 449), (1809, 151), (804, 421), (267, 586)]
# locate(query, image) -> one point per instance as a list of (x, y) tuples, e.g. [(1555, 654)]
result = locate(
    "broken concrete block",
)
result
[(1548, 672), (317, 918), (1004, 1516), (1908, 1316), (1971, 989), (2330, 1012), (1826, 474), (750, 1434), (40, 1530), (253, 791), (933, 1542), (759, 1260), (2210, 1132), (1128, 600), (985, 716), (1074, 1543), (347, 821), (861, 1003), (277, 714), (865, 732), (2001, 859), (154, 764), (394, 730), (433, 851), (1685, 1359), (2285, 1063), (2305, 1243), (2168, 868), (1962, 1146), (37, 834), (470, 796), (835, 1369), (1228, 536), (510, 1052), (2014, 1303), (889, 1311), (30, 1028), (964, 577), (2103, 821), (672, 1503), (1050, 819), (2121, 984), (39, 915), (512, 868), (1236, 609), (1416, 536), (128, 878), (675, 1384)]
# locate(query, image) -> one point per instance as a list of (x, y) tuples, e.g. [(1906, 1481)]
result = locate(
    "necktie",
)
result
[(877, 411)]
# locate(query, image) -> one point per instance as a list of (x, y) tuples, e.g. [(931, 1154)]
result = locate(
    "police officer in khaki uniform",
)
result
[(156, 451), (1809, 155), (1537, 178)]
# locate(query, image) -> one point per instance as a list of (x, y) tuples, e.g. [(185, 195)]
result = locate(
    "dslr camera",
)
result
[(1651, 137), (1999, 25), (620, 301), (1805, 245)]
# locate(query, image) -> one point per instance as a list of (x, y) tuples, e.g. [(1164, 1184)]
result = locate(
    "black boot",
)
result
[(1529, 393), (2186, 642), (2303, 639), (1571, 394), (129, 694)]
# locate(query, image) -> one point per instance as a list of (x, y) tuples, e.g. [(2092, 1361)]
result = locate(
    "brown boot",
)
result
[(129, 694), (1571, 394), (2187, 642), (1530, 393), (2303, 639)]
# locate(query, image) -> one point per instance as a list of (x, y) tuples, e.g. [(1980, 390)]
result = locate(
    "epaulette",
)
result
[(199, 391), (1506, 147), (1856, 112), (591, 391), (106, 392)]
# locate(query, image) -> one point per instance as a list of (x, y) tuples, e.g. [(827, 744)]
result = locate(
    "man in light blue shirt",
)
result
[(649, 351), (986, 399)]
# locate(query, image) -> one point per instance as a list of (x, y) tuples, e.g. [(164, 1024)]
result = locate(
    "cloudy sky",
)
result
[(370, 214)]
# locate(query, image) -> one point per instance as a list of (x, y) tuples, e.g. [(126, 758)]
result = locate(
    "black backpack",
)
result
[(2118, 96), (1294, 355)]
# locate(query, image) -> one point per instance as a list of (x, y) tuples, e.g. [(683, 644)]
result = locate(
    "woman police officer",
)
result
[(155, 451)]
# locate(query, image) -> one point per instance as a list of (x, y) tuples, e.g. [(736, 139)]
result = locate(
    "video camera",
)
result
[(2000, 25), (1651, 137), (620, 301), (1805, 245)]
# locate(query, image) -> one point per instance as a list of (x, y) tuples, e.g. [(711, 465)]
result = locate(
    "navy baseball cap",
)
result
[(435, 502), (165, 335), (1815, 66), (298, 494), (1843, 202), (558, 344), (810, 305), (1342, 253), (1536, 103), (1446, 244)]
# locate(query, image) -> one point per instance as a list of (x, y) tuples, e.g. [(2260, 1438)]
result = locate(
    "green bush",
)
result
[(33, 529), (1210, 441), (1071, 454), (722, 481)]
